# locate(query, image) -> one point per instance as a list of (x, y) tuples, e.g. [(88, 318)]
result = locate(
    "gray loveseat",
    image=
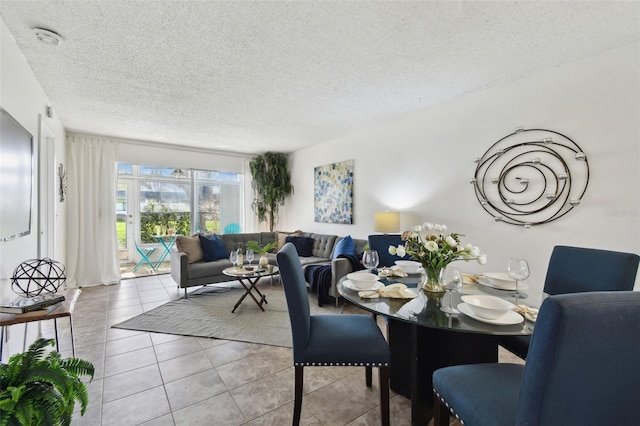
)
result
[(198, 273)]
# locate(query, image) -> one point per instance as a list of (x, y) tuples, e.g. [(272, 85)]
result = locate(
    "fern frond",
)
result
[(56, 377), (37, 350), (40, 388), (78, 367)]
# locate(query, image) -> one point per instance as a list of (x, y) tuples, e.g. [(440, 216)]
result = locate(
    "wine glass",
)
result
[(518, 269), (370, 259), (250, 256), (233, 257), (452, 280)]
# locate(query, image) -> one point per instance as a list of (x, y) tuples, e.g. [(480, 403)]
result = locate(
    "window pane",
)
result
[(121, 215), (216, 176), (167, 172), (208, 206), (125, 169), (205, 175), (231, 206), (164, 209), (229, 177)]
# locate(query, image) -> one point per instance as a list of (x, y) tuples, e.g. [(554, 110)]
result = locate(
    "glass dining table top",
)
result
[(424, 310)]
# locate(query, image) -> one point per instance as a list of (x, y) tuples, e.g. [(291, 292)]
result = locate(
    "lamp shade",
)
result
[(386, 222)]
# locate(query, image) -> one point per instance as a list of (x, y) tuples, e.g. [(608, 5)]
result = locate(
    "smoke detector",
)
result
[(48, 36)]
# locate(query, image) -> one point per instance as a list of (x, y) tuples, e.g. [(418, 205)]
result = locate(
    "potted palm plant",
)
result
[(262, 250), (40, 388)]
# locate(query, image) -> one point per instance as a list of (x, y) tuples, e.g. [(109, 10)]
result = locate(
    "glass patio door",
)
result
[(125, 220)]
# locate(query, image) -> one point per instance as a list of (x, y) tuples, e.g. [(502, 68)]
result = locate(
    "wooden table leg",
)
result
[(55, 327), (252, 286), (73, 343)]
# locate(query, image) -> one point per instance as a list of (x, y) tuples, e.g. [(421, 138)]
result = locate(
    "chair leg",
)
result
[(145, 259), (383, 377), (368, 372), (297, 401), (440, 411)]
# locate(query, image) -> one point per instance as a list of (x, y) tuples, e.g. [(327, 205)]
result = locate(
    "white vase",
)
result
[(264, 261)]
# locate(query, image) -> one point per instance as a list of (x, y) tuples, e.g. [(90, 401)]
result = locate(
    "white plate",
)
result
[(509, 318), (502, 285), (348, 284), (241, 272), (501, 276)]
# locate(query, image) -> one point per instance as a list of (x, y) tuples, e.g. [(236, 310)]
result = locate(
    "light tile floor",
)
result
[(162, 379)]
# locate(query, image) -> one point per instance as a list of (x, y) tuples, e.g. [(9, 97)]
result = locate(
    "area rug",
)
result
[(207, 313)]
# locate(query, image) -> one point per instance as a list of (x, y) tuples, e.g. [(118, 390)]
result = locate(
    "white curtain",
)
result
[(92, 246)]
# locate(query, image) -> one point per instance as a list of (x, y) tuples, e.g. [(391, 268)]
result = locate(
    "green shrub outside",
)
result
[(180, 223)]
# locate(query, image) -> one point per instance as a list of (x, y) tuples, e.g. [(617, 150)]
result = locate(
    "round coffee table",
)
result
[(248, 280)]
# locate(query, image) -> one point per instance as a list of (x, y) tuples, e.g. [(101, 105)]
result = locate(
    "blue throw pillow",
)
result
[(304, 245), (213, 248), (345, 246)]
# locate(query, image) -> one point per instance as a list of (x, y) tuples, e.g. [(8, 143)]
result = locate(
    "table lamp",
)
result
[(386, 222)]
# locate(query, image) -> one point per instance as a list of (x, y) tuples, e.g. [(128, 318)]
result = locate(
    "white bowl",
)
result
[(362, 280), (485, 306), (409, 266)]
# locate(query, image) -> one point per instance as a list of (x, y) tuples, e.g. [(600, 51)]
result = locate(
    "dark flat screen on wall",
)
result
[(16, 178)]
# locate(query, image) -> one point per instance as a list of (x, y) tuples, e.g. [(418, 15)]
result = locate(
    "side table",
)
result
[(64, 310), (167, 242)]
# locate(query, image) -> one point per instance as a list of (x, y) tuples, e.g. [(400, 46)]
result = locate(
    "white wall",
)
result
[(421, 164), (141, 152), (23, 97)]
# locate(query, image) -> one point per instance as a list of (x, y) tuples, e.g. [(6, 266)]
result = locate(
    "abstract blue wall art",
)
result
[(333, 193)]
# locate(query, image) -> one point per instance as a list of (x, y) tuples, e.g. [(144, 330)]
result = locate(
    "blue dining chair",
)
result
[(577, 270), (381, 243), (326, 340), (145, 253), (582, 369), (232, 228)]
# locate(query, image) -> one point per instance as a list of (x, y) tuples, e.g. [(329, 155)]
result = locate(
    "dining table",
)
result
[(423, 338)]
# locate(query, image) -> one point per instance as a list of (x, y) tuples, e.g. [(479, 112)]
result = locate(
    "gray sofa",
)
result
[(202, 273)]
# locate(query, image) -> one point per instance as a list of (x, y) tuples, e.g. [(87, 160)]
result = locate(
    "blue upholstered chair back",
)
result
[(295, 289), (381, 243), (576, 270), (582, 367)]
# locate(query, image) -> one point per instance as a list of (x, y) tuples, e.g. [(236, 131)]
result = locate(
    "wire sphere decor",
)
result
[(531, 177), (35, 276)]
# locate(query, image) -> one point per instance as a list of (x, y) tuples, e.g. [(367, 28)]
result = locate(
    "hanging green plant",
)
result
[(271, 184), (37, 388)]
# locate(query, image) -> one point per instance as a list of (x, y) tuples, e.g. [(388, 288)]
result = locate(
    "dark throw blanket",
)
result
[(319, 276)]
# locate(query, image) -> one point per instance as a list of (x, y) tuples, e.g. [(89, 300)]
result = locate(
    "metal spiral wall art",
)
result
[(531, 177)]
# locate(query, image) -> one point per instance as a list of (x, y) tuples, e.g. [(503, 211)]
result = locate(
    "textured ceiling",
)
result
[(255, 76)]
